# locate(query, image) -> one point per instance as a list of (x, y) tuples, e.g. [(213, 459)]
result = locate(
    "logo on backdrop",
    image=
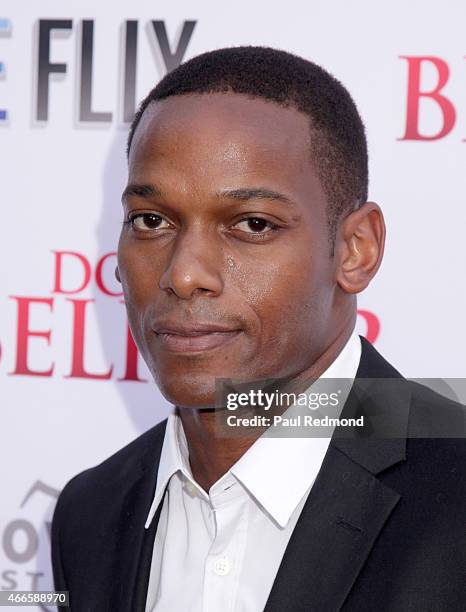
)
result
[(420, 70), (26, 543), (73, 273), (43, 68), (5, 31)]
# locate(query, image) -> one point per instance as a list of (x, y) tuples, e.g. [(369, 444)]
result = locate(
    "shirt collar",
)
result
[(293, 462), (173, 458)]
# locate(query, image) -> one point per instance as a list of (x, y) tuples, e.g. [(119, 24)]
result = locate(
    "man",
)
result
[(247, 234)]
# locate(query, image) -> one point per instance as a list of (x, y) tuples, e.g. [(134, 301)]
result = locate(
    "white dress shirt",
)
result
[(221, 550)]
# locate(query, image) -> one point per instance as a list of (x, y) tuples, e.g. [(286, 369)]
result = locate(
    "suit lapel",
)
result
[(348, 505), (145, 561), (133, 552), (345, 511)]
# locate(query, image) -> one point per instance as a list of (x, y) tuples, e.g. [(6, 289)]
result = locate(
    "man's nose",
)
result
[(193, 266)]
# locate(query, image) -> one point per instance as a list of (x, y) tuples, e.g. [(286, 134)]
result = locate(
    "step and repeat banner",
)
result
[(73, 389)]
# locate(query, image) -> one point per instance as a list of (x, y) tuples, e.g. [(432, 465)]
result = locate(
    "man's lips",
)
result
[(193, 337)]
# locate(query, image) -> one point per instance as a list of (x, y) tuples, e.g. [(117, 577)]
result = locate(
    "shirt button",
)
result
[(222, 567)]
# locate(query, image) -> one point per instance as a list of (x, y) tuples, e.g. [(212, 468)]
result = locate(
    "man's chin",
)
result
[(189, 392)]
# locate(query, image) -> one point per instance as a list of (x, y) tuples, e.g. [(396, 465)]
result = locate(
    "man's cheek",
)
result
[(258, 279), (289, 310)]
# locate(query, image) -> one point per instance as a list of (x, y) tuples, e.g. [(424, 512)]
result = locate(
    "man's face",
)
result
[(225, 267)]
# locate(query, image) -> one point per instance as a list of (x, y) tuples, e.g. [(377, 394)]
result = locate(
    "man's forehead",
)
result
[(224, 114), (209, 143)]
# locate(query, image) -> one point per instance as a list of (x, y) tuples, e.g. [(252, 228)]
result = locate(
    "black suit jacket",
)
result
[(382, 529)]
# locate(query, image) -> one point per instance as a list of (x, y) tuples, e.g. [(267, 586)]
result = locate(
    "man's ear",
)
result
[(359, 247), (117, 274)]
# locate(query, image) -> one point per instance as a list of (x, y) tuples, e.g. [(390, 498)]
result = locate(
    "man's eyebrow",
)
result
[(243, 194), (246, 194), (142, 191)]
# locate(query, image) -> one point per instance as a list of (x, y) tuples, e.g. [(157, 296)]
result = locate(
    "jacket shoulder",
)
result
[(433, 415), (120, 467)]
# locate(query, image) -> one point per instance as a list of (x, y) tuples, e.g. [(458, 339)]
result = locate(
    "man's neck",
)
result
[(211, 455)]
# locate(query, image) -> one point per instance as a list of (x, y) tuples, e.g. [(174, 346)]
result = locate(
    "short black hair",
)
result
[(338, 139)]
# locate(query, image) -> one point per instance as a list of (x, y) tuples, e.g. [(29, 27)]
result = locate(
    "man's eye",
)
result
[(255, 225), (145, 222)]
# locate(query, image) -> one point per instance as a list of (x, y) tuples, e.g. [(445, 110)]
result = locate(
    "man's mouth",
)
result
[(184, 338)]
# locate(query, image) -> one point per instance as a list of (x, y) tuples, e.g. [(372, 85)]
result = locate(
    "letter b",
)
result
[(415, 94)]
